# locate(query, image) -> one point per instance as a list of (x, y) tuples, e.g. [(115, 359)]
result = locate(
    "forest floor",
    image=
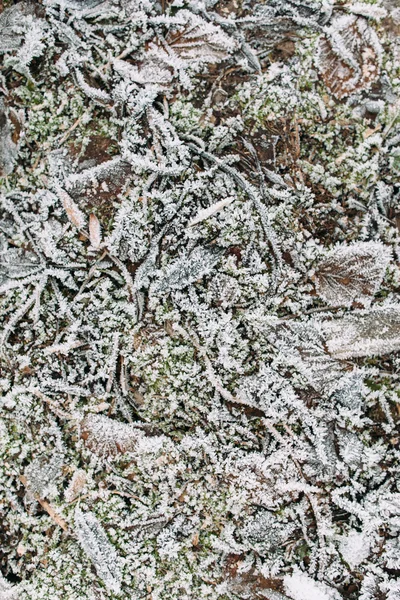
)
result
[(199, 299)]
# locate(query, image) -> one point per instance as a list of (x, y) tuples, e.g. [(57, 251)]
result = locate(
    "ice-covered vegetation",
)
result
[(199, 300)]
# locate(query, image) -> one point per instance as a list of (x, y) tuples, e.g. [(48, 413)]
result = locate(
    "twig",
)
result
[(70, 130), (47, 507)]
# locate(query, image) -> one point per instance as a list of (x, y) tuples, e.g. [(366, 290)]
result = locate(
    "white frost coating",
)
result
[(301, 587), (352, 273), (98, 548), (368, 10), (204, 214), (174, 320), (7, 591), (354, 548), (365, 333)]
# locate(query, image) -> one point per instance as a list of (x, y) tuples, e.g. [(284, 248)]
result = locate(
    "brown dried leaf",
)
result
[(74, 213), (349, 55), (200, 40), (76, 485), (106, 437), (94, 231), (352, 273)]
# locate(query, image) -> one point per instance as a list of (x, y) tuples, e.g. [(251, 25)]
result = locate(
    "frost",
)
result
[(392, 554), (98, 548), (206, 213), (300, 587), (8, 591), (184, 271), (199, 274), (355, 548), (366, 333), (352, 273), (349, 55), (42, 473), (76, 485), (107, 437), (11, 34), (8, 149)]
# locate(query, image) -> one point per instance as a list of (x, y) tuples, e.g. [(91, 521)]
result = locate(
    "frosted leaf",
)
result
[(94, 231), (42, 473), (107, 437), (95, 94), (274, 20), (152, 70), (10, 32), (8, 149), (351, 390), (104, 178), (354, 548), (187, 269), (33, 45), (98, 548), (74, 213), (76, 485), (199, 40), (302, 346), (365, 333), (265, 533), (300, 586), (350, 448), (16, 263), (31, 32), (246, 583), (368, 10), (349, 55), (352, 273)]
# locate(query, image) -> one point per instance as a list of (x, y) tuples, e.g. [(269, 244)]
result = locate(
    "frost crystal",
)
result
[(352, 273), (355, 548), (366, 333), (107, 437), (301, 587), (98, 548), (199, 315)]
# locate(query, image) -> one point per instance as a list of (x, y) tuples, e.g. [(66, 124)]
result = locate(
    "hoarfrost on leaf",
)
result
[(98, 548), (108, 437), (352, 273), (365, 333)]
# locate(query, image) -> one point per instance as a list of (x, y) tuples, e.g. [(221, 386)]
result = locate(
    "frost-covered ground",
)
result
[(199, 300)]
